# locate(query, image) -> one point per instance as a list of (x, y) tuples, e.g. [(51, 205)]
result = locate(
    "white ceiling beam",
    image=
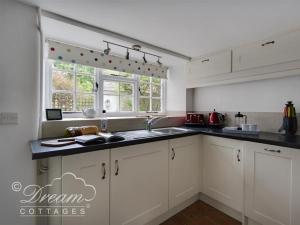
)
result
[(122, 37)]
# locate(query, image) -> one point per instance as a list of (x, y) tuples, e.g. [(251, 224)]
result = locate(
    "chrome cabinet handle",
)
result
[(238, 155), (205, 60), (173, 156), (267, 43), (272, 150), (104, 171), (117, 167)]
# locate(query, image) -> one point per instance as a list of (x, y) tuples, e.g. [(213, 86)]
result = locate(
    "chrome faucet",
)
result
[(151, 121)]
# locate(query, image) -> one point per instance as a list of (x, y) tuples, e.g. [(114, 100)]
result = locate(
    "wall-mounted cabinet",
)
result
[(275, 57), (208, 66), (272, 51)]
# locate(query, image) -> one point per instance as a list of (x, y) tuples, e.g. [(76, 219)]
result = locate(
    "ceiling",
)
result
[(190, 27)]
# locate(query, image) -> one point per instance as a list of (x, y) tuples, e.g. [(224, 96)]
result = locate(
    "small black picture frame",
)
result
[(53, 114)]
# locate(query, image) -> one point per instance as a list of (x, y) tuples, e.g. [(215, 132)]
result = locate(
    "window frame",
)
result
[(100, 78)]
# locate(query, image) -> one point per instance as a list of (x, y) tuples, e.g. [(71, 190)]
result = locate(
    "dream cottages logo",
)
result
[(50, 200)]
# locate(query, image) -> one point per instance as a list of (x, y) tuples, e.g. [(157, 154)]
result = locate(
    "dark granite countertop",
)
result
[(137, 137)]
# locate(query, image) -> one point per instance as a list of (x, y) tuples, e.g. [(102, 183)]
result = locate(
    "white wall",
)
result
[(258, 96), (176, 91), (18, 93)]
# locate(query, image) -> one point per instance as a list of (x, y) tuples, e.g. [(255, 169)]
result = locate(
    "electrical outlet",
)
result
[(8, 118)]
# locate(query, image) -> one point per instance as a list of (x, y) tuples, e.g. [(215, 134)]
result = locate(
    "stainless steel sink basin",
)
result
[(141, 134), (170, 130)]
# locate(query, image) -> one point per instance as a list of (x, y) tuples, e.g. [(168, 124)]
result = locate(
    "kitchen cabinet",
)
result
[(139, 183), (79, 172), (223, 171), (281, 49), (206, 66), (272, 184), (184, 169)]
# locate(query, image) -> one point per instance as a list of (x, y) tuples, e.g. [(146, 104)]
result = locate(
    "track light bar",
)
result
[(133, 49)]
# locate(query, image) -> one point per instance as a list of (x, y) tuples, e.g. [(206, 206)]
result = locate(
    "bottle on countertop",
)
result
[(289, 122), (103, 122)]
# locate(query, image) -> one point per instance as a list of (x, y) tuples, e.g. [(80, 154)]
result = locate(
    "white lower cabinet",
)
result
[(184, 169), (272, 187), (223, 171), (84, 174), (139, 183)]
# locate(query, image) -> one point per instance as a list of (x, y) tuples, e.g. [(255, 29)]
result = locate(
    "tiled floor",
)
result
[(200, 213)]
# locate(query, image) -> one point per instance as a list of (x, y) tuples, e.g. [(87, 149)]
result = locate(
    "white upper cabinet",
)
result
[(281, 49), (92, 171), (184, 169), (272, 191), (223, 171), (139, 183), (214, 64)]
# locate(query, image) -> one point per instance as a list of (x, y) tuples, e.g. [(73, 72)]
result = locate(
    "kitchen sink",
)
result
[(170, 130), (141, 134)]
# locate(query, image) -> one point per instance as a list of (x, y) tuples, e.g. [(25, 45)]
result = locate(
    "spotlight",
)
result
[(127, 54), (159, 63), (144, 58), (107, 50)]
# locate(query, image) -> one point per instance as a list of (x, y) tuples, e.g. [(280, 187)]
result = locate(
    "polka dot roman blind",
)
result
[(73, 54)]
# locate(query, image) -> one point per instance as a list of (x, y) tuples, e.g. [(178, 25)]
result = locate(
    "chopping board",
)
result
[(57, 143)]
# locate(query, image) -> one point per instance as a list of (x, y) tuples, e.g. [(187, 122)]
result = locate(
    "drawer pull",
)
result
[(205, 60), (173, 156), (104, 171), (272, 150), (267, 43), (238, 155), (117, 167)]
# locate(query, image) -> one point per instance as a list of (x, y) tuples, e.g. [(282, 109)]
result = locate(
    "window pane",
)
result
[(144, 89), (156, 105), (156, 80), (85, 69), (126, 103), (84, 101), (62, 101), (116, 73), (111, 88), (85, 84), (155, 90), (111, 103), (144, 104), (62, 80), (126, 89), (144, 79), (63, 66)]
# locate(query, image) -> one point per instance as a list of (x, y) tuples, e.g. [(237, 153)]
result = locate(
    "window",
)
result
[(150, 92), (74, 87)]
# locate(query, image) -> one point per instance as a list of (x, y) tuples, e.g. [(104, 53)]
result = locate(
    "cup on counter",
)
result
[(245, 127), (252, 127)]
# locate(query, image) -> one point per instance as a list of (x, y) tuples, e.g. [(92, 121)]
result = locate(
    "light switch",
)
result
[(7, 118)]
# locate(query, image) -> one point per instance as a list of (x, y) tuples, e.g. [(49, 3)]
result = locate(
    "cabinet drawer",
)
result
[(214, 64), (268, 52)]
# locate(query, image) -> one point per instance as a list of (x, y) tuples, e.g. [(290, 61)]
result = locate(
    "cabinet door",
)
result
[(90, 168), (139, 183), (272, 184), (276, 50), (222, 172), (184, 169), (219, 63)]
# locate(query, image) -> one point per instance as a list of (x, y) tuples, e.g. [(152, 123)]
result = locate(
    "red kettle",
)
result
[(215, 118)]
